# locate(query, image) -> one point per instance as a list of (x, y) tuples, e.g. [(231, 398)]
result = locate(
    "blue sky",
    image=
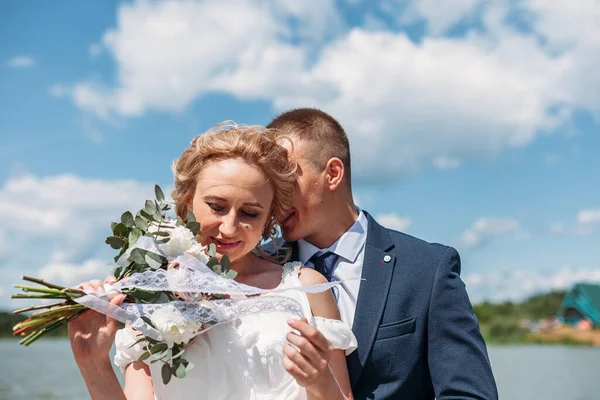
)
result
[(472, 123)]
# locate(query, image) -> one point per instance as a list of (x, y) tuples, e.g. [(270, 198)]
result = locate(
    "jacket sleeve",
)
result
[(457, 355)]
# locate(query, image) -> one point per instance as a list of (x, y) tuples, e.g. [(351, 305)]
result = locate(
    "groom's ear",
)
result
[(334, 173)]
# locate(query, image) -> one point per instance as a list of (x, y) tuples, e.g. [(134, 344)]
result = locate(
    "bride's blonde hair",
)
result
[(256, 145)]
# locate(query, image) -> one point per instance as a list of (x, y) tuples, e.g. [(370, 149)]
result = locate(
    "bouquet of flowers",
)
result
[(155, 255), (175, 289)]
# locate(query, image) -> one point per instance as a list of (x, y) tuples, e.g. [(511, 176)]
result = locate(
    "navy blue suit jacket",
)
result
[(418, 337)]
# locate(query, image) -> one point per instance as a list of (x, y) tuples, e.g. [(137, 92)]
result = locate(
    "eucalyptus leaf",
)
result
[(177, 354), (146, 215), (114, 242), (231, 274), (144, 356), (150, 207), (159, 356), (138, 256), (159, 347), (179, 221), (212, 250), (134, 235), (217, 268), (194, 227), (212, 262), (152, 261), (166, 374), (162, 298), (112, 226), (180, 371), (160, 196), (140, 340), (120, 230), (155, 261), (148, 321), (141, 223), (190, 216), (225, 264), (161, 233), (127, 219)]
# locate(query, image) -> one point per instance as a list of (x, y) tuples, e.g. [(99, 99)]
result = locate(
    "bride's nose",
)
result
[(229, 224)]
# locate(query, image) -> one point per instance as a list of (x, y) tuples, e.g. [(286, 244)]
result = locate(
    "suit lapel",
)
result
[(372, 296)]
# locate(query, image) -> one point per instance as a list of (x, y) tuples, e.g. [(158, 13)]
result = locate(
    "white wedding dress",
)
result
[(240, 359)]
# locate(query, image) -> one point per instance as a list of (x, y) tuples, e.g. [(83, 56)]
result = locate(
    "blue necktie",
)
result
[(324, 263)]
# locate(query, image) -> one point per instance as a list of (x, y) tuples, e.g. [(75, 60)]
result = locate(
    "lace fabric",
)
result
[(243, 358)]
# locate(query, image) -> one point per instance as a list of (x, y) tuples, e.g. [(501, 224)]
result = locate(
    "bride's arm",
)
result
[(91, 336), (320, 368)]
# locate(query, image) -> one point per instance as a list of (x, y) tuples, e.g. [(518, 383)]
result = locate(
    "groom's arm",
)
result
[(457, 355)]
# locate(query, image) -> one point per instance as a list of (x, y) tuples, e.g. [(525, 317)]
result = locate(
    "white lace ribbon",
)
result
[(189, 279), (206, 313)]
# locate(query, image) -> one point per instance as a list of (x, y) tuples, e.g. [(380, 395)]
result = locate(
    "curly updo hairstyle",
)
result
[(254, 144)]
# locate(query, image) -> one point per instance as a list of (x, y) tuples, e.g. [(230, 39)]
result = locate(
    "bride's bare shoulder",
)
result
[(309, 276)]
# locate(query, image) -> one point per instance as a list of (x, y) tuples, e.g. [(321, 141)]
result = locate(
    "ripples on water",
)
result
[(46, 370)]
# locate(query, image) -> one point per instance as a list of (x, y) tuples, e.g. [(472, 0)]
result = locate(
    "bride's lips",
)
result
[(224, 245)]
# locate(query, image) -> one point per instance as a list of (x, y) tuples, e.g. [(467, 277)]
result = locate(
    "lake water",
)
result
[(46, 370)]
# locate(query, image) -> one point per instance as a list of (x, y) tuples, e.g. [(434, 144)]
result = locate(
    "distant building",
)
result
[(581, 304)]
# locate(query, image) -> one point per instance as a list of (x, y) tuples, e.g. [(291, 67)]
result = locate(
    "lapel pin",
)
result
[(387, 258)]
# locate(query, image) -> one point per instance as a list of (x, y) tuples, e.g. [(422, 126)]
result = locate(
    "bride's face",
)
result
[(232, 203)]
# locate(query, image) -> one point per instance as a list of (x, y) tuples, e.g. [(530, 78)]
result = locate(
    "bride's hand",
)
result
[(310, 365), (92, 334)]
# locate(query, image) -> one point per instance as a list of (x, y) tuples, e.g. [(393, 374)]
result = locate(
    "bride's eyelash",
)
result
[(250, 214), (218, 208), (215, 207)]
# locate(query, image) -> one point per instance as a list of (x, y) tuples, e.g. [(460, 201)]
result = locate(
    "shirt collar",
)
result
[(348, 246)]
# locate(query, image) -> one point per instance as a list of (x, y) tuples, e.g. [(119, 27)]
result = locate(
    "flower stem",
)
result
[(67, 309), (39, 289), (41, 307), (42, 282)]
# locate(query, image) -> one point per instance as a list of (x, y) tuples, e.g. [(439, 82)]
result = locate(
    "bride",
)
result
[(239, 182)]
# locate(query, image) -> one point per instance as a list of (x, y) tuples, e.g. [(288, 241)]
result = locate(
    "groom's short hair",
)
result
[(324, 135)]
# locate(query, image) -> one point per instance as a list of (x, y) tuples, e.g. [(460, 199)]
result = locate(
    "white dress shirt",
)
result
[(350, 248)]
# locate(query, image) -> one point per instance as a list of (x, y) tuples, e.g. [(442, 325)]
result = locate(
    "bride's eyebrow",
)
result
[(217, 198)]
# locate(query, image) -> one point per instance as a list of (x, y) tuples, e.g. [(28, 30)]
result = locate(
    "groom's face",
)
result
[(303, 220)]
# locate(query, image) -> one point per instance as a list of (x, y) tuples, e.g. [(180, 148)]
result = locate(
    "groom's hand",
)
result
[(308, 361)]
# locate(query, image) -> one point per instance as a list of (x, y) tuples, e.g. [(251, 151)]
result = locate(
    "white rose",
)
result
[(173, 325), (180, 240), (199, 252)]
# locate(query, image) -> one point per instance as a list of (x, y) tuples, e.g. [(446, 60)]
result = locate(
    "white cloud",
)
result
[(517, 285), (589, 216), (394, 221), (169, 53), (486, 228), (405, 105), (587, 222), (69, 274), (21, 62), (64, 212)]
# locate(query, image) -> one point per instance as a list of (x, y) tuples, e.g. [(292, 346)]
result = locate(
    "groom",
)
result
[(417, 335)]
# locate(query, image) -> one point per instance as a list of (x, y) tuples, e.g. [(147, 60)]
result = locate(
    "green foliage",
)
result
[(500, 322)]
